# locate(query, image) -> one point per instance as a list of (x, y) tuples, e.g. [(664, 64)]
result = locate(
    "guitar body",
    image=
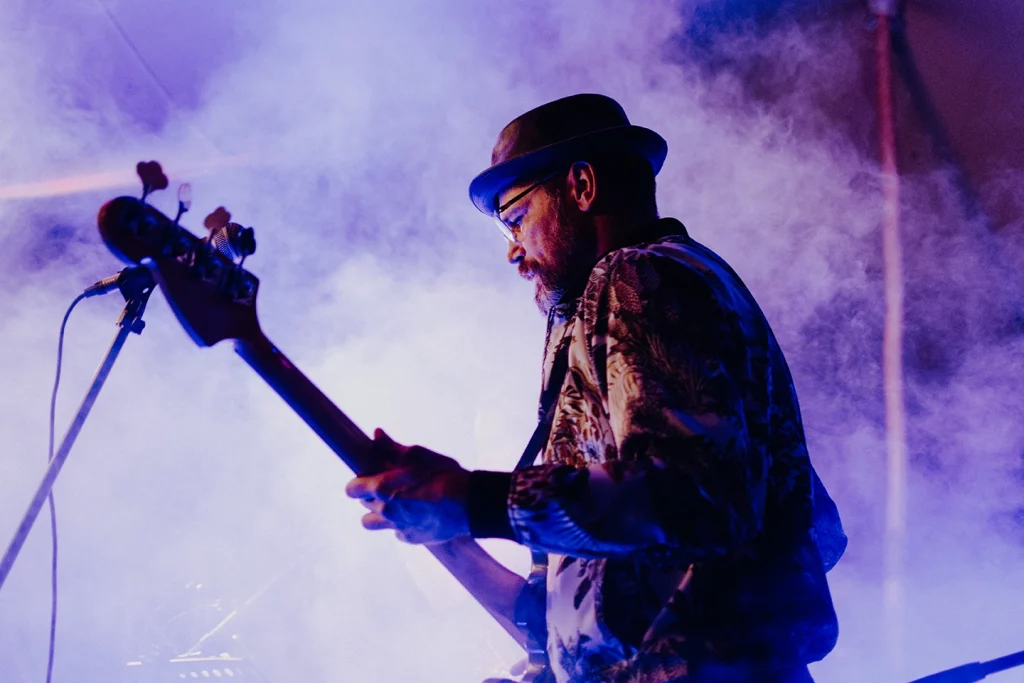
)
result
[(531, 620), (214, 298)]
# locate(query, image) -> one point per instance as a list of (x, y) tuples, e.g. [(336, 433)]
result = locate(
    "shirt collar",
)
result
[(645, 234)]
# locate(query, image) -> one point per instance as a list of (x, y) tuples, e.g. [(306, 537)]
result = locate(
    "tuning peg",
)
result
[(152, 177), (234, 241), (184, 200), (218, 219), (245, 242)]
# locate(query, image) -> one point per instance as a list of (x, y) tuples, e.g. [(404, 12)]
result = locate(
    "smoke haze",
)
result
[(346, 134)]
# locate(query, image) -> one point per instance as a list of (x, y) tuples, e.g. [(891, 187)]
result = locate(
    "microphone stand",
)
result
[(136, 289)]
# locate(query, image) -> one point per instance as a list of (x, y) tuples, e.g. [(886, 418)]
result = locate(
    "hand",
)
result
[(422, 496)]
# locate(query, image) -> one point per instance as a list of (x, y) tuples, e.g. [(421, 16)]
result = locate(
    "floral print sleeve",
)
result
[(651, 451)]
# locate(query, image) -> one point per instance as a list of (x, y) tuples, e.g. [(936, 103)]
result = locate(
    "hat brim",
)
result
[(484, 189)]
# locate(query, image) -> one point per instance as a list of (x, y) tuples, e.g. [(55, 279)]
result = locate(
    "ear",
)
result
[(582, 185)]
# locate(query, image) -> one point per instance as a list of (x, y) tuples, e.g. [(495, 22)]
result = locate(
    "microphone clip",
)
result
[(133, 282)]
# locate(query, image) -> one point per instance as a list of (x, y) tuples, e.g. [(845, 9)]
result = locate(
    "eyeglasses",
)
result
[(509, 230)]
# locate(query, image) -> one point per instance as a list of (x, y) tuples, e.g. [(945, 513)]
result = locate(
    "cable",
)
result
[(53, 510)]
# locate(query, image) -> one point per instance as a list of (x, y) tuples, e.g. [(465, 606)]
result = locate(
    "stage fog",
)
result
[(346, 136)]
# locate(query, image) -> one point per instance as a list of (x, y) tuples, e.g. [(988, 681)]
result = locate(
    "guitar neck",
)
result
[(462, 557), (340, 433)]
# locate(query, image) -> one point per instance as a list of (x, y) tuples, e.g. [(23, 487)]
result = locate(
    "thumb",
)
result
[(387, 448)]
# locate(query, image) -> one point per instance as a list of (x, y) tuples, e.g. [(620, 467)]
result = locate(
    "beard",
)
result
[(567, 266), (547, 288)]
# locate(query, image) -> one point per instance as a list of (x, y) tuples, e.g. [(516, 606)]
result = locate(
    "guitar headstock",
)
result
[(213, 297)]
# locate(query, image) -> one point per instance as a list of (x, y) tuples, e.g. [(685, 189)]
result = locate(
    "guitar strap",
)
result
[(548, 402), (553, 387), (530, 604)]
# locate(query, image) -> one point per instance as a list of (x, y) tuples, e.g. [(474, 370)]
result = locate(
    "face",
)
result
[(554, 243)]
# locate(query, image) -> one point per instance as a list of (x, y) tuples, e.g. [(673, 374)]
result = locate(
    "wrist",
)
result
[(487, 504)]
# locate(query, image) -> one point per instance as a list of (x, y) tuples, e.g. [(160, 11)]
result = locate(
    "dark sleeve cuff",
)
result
[(487, 504)]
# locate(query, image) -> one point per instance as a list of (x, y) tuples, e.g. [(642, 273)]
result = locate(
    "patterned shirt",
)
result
[(674, 500)]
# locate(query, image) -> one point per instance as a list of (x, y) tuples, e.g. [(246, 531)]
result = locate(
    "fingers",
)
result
[(375, 521), (362, 487), (407, 536), (381, 486), (409, 497)]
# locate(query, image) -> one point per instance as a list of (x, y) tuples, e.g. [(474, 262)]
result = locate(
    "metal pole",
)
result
[(892, 353), (130, 321)]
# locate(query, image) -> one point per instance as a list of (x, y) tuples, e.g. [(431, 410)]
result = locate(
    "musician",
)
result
[(673, 498)]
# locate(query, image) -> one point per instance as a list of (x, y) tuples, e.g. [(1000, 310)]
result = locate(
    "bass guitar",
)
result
[(214, 298)]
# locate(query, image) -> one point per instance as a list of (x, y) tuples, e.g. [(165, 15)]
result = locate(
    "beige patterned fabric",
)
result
[(674, 497)]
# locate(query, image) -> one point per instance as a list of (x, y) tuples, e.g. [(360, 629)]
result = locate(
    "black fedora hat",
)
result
[(561, 132)]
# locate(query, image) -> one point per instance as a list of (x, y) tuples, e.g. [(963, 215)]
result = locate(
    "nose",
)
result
[(516, 253)]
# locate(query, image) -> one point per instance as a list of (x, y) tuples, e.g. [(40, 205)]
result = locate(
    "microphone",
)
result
[(109, 284)]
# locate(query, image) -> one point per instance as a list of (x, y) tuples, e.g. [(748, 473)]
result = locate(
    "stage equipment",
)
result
[(189, 639), (214, 299), (975, 671), (136, 285)]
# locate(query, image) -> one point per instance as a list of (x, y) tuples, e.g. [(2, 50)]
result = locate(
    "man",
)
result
[(673, 502)]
